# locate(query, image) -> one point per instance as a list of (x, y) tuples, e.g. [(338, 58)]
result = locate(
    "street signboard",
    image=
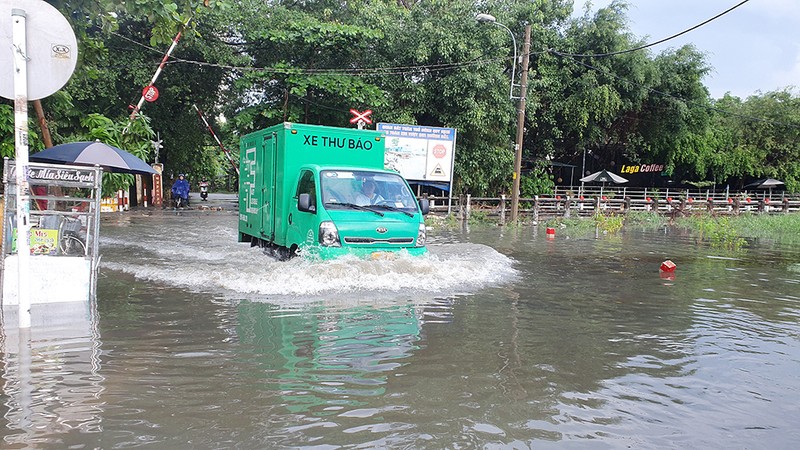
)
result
[(418, 152)]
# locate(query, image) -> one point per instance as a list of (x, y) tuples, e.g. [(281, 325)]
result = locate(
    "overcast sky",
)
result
[(755, 47)]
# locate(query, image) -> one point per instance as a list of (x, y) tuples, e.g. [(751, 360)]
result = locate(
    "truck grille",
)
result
[(370, 241)]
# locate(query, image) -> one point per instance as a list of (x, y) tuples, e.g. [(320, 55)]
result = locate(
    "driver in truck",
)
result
[(368, 196)]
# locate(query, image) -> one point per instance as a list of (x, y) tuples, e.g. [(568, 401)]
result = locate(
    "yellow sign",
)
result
[(43, 241)]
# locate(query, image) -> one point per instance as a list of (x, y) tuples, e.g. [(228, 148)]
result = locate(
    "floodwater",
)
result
[(499, 338)]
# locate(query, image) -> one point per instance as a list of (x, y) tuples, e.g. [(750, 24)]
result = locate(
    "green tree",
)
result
[(418, 62)]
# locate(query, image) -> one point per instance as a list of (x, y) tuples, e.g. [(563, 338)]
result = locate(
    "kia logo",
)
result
[(381, 230)]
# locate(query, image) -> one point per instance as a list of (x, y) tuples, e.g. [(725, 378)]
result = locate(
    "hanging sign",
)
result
[(150, 93)]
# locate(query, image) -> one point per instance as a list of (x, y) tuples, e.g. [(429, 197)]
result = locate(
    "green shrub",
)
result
[(719, 231), (608, 223)]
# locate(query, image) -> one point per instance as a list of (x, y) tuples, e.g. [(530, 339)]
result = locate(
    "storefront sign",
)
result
[(86, 176), (644, 168)]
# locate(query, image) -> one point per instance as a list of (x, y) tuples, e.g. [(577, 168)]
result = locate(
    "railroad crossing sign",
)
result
[(361, 118)]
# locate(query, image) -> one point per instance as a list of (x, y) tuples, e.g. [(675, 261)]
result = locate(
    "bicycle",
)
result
[(69, 237)]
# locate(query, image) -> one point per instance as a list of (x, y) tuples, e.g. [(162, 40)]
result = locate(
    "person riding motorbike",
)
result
[(180, 192)]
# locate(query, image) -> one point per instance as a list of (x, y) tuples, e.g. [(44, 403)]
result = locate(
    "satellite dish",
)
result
[(52, 49)]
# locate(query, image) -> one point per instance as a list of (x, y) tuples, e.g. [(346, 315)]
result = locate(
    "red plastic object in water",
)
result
[(668, 266), (551, 233)]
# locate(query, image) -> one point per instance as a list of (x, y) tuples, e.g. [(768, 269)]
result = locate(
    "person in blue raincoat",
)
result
[(180, 191)]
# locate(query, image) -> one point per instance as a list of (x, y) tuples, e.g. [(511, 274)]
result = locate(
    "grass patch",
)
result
[(719, 231), (730, 231), (784, 228), (608, 224), (448, 222), (646, 219), (575, 226)]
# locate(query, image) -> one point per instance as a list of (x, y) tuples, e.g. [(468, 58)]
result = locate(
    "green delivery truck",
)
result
[(323, 191)]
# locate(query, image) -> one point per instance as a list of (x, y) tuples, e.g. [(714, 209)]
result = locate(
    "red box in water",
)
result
[(668, 266)]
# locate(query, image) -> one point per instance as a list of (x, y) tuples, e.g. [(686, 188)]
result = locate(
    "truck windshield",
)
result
[(340, 188)]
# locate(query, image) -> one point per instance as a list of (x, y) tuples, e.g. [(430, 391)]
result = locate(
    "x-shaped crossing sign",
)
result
[(361, 117)]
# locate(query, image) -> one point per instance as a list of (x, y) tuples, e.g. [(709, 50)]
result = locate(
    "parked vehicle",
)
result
[(302, 189)]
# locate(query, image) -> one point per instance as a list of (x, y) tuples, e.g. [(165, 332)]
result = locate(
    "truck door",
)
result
[(304, 226), (249, 191), (266, 183)]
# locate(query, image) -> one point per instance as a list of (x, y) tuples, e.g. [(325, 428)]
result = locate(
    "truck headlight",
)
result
[(421, 235), (328, 235)]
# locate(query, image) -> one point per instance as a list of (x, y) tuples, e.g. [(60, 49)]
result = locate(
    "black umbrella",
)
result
[(110, 158)]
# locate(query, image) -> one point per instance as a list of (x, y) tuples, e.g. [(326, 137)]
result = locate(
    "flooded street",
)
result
[(499, 338)]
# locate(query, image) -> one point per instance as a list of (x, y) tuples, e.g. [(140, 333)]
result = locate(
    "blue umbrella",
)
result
[(110, 158)]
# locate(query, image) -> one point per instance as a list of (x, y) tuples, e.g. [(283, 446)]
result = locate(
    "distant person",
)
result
[(180, 191), (368, 196)]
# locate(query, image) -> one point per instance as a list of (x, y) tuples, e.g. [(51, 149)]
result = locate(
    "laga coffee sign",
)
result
[(65, 175), (643, 168)]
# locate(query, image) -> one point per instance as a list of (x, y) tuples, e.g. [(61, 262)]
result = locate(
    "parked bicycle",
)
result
[(70, 240)]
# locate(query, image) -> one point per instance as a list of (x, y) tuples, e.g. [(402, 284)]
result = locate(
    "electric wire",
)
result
[(661, 41), (410, 70), (367, 71)]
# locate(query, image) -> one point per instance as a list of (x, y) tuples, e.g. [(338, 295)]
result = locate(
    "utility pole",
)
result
[(526, 50)]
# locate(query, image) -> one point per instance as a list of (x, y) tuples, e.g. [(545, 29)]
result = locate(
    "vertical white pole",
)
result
[(21, 148)]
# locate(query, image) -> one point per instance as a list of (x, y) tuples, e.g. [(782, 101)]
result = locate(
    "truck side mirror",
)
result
[(304, 204), (424, 206)]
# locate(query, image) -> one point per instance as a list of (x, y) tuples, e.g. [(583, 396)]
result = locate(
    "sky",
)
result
[(754, 48)]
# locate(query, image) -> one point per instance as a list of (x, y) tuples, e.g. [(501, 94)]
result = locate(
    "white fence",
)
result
[(592, 200)]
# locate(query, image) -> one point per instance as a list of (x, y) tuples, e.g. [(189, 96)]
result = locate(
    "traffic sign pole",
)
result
[(19, 21), (155, 76), (214, 135)]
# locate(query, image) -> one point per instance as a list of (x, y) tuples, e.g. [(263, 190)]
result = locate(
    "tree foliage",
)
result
[(258, 63)]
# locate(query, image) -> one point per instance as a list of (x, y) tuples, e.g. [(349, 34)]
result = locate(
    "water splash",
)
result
[(207, 258)]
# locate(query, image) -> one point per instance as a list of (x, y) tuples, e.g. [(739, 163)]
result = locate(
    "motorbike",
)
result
[(204, 190)]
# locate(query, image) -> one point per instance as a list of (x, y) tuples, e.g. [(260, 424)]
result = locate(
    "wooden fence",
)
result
[(590, 203)]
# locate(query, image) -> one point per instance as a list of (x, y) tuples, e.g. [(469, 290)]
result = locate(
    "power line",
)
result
[(367, 71), (601, 55)]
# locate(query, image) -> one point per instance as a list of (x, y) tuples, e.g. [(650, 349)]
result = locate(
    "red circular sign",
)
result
[(439, 151), (150, 93)]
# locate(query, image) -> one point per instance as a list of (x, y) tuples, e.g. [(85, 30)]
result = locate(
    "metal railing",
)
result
[(591, 201)]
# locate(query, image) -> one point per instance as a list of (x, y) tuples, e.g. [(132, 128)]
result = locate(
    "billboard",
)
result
[(418, 152)]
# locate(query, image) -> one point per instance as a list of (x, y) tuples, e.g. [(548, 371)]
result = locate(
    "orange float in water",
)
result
[(668, 266)]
